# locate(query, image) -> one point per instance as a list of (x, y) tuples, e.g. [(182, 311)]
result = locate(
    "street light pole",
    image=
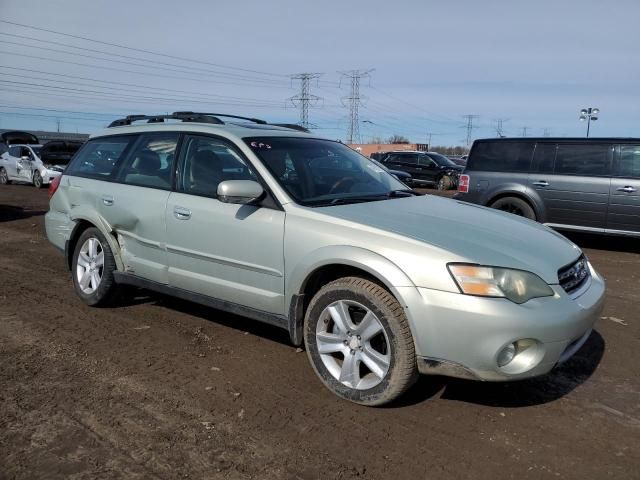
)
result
[(589, 114)]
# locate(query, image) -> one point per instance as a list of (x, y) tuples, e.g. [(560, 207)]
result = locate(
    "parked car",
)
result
[(404, 177), (378, 283), (583, 184), (428, 168), (22, 163), (59, 152), (458, 160)]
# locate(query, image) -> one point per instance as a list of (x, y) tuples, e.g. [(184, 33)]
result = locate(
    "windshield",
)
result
[(442, 160), (322, 172)]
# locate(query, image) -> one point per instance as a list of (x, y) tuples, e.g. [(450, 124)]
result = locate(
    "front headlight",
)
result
[(516, 285)]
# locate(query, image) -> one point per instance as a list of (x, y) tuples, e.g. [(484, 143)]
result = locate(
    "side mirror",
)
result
[(239, 191)]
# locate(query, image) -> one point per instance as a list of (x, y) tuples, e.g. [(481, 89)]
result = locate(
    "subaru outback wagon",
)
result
[(378, 283)]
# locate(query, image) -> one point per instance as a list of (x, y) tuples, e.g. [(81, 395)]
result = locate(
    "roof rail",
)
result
[(199, 117), (183, 116), (250, 119)]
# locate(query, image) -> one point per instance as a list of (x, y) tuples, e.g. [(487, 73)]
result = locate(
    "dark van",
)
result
[(583, 184)]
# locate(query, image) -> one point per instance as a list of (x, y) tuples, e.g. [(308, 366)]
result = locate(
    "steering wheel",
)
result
[(342, 183)]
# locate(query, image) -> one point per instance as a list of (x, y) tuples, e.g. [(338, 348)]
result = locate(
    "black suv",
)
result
[(585, 184), (425, 167)]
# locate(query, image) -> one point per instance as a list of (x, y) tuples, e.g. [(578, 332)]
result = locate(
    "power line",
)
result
[(354, 102), (174, 57), (470, 118), (304, 99)]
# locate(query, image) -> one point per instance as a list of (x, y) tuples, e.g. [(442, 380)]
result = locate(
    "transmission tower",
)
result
[(525, 131), (499, 126), (353, 102), (304, 99), (469, 126)]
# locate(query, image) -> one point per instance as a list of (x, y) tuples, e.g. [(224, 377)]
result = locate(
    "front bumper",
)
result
[(461, 335)]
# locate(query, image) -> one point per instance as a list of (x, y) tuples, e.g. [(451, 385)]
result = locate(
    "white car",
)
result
[(22, 163)]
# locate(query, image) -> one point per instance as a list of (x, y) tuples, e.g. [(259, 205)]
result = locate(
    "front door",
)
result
[(624, 201), (573, 181), (428, 168), (225, 251), (25, 164)]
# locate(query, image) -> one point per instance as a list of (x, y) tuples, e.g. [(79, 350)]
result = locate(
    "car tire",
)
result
[(4, 177), (356, 320), (92, 269), (516, 206), (37, 179), (444, 183)]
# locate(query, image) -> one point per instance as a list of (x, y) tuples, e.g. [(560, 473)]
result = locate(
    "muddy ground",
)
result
[(167, 389)]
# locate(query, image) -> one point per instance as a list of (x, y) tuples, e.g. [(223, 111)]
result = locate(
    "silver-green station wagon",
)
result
[(272, 223)]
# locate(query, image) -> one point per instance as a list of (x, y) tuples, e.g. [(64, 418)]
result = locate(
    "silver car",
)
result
[(22, 163), (378, 283)]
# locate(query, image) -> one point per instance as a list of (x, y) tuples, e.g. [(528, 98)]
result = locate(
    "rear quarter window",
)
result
[(501, 156), (98, 158)]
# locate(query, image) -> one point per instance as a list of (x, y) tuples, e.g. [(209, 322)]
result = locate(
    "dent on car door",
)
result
[(25, 164), (134, 204), (624, 201), (225, 251)]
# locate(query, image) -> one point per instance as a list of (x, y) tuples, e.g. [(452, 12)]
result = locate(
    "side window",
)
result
[(590, 160), (207, 162), (98, 157), (14, 151), (410, 159), (629, 161), (545, 157), (25, 152), (150, 162), (427, 161), (502, 156)]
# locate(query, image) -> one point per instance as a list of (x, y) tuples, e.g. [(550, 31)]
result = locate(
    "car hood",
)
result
[(469, 233)]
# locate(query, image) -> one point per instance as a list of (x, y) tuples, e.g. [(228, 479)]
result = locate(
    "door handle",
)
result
[(107, 200), (182, 213), (628, 189), (541, 183)]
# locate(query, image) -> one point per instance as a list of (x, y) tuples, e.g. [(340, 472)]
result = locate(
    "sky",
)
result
[(76, 64)]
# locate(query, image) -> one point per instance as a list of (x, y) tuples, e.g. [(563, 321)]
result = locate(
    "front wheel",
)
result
[(4, 177), (37, 179), (514, 205), (359, 342)]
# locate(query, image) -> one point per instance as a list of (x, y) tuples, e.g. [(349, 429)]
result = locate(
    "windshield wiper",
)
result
[(405, 192)]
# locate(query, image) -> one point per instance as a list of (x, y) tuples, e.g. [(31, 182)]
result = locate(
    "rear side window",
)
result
[(14, 151), (98, 158), (501, 156), (629, 161), (150, 163), (545, 157), (592, 160)]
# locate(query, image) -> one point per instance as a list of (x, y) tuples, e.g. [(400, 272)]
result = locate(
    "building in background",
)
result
[(367, 149)]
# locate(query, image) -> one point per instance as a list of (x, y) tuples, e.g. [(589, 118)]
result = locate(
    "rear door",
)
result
[(624, 201), (134, 204), (573, 180), (407, 162)]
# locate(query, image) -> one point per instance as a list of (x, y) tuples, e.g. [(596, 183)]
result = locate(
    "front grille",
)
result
[(574, 275)]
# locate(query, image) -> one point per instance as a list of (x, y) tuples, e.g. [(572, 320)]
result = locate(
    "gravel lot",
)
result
[(163, 388)]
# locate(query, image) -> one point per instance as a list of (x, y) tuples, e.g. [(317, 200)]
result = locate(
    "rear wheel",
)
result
[(92, 269), (514, 205), (37, 179), (359, 342), (4, 177)]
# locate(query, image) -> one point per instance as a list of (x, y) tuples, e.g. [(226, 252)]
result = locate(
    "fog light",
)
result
[(506, 354)]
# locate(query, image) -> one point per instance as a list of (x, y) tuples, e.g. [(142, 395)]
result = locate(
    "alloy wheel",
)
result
[(353, 344), (4, 178), (90, 265)]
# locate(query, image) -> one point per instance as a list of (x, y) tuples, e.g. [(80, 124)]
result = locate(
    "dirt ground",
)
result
[(167, 389)]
